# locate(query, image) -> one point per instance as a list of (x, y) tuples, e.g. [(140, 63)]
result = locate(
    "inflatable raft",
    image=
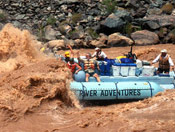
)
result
[(123, 81)]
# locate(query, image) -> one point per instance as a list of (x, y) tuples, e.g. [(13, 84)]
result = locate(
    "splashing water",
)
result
[(28, 77), (17, 48)]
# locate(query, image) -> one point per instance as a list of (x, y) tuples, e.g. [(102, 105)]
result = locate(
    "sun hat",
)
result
[(97, 48), (164, 51)]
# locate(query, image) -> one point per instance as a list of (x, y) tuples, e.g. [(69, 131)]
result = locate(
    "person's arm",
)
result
[(156, 60), (78, 54), (170, 61), (172, 68), (71, 51), (79, 68), (171, 64), (78, 57), (97, 65), (103, 55), (94, 54)]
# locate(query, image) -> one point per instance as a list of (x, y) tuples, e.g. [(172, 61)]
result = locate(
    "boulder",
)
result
[(151, 25), (16, 24), (133, 3), (117, 39), (140, 12), (170, 38), (173, 12), (69, 42), (115, 22), (80, 43), (158, 2), (96, 43), (59, 44), (64, 29), (76, 34), (154, 11), (3, 16), (67, 1), (103, 38), (50, 33), (157, 21), (155, 3), (145, 37), (19, 16), (162, 32)]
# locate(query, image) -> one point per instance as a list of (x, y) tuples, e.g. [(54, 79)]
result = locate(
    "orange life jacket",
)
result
[(164, 62), (89, 64), (72, 67)]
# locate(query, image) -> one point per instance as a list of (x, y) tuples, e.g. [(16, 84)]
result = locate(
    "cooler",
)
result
[(148, 71), (124, 69), (116, 70)]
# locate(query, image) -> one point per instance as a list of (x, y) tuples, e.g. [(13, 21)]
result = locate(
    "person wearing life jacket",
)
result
[(90, 67), (99, 54), (165, 62), (75, 68)]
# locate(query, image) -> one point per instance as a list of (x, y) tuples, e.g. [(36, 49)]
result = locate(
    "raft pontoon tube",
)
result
[(117, 90), (111, 88)]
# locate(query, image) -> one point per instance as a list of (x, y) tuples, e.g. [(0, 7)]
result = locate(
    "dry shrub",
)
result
[(167, 8)]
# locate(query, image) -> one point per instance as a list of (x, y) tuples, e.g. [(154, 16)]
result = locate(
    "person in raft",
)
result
[(99, 54), (90, 66), (68, 55), (165, 62), (74, 67)]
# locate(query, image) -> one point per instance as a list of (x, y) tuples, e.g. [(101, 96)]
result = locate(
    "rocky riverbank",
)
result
[(91, 23)]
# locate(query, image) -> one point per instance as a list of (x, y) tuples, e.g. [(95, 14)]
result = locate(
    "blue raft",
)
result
[(120, 87)]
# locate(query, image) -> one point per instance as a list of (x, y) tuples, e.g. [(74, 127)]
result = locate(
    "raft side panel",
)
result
[(117, 90)]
